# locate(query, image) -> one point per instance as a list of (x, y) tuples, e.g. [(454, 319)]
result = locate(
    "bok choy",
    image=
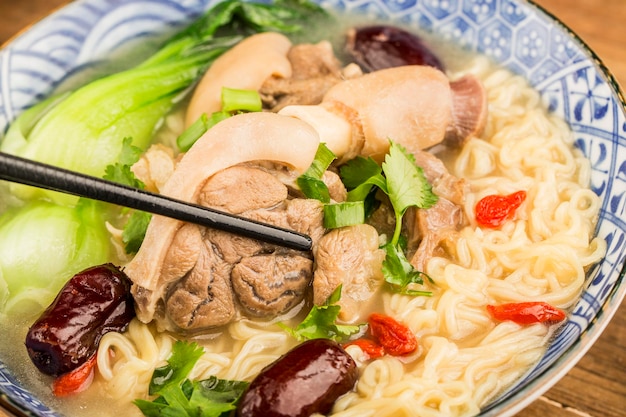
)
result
[(84, 131), (42, 245)]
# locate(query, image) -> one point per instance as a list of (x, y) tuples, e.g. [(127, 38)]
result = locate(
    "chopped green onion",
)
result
[(323, 158), (233, 101), (240, 100), (344, 214), (198, 128), (310, 182), (314, 188), (217, 117), (193, 133)]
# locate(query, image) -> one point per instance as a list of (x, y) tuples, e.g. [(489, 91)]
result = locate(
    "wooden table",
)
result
[(597, 385)]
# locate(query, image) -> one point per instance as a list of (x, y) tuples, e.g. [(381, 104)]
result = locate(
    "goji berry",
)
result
[(526, 312), (394, 337), (493, 210)]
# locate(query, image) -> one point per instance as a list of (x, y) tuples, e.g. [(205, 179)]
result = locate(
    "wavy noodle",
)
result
[(465, 359)]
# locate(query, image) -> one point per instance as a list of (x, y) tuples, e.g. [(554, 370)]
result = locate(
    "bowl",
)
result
[(519, 35)]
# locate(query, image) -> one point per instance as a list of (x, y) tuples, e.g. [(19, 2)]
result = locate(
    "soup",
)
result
[(464, 357)]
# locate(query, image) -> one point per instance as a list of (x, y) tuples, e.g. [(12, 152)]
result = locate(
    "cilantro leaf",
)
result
[(407, 186), (180, 397), (399, 273), (120, 171), (321, 322), (151, 408), (130, 153), (214, 396), (358, 170), (135, 231), (182, 360), (360, 175)]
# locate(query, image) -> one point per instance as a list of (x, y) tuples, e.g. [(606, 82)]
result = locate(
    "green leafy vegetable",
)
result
[(406, 187), (399, 273), (321, 322), (84, 131), (137, 224), (289, 16), (120, 171), (405, 184), (360, 175), (42, 245), (135, 231), (182, 360), (177, 396)]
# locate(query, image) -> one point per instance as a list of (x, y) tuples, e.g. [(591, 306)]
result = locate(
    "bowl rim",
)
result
[(508, 405)]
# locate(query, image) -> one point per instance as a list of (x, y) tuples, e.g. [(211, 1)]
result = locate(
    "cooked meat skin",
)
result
[(413, 105), (245, 66)]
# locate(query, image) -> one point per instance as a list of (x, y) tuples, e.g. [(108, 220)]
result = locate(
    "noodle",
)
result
[(464, 359)]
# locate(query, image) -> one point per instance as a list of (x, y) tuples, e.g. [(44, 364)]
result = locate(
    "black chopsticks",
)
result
[(37, 174)]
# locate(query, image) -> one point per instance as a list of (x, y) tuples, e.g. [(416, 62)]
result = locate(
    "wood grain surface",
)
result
[(597, 385)]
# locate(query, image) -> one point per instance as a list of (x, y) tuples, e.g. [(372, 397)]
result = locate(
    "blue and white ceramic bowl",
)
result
[(515, 33)]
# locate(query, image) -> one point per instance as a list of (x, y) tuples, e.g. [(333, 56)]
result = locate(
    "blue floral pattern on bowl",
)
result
[(517, 34)]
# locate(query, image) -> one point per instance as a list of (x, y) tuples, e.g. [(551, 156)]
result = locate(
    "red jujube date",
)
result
[(306, 380), (378, 47), (91, 304)]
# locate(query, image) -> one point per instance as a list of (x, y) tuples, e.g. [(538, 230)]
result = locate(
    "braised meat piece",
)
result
[(350, 257), (429, 230), (214, 277), (173, 256), (267, 284), (314, 70)]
